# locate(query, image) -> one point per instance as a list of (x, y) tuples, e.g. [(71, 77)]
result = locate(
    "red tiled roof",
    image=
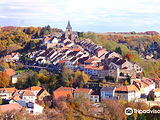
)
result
[(8, 90), (8, 56), (63, 91), (9, 107), (34, 88), (11, 72), (57, 94), (121, 88)]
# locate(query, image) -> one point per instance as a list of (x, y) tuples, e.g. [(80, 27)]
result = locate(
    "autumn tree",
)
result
[(0, 100), (67, 76), (4, 79), (129, 57)]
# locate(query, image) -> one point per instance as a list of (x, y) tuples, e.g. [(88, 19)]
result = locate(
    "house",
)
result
[(34, 89), (43, 95), (87, 93), (108, 92), (126, 93), (63, 92), (8, 58), (144, 90), (31, 107), (150, 83), (10, 71), (157, 82), (155, 94), (9, 107), (100, 52), (12, 74), (26, 95), (13, 99), (6, 93), (15, 56), (97, 71)]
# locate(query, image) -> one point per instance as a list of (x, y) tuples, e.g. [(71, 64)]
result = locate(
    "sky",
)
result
[(85, 15)]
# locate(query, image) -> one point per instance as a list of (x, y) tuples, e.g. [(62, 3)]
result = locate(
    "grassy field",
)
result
[(20, 71), (125, 35)]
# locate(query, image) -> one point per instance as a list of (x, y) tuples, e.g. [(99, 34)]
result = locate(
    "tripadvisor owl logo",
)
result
[(128, 111)]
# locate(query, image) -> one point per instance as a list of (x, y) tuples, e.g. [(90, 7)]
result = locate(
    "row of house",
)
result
[(89, 94), (139, 89), (14, 56), (25, 98)]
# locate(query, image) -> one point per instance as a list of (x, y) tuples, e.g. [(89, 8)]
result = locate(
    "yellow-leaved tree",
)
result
[(4, 79)]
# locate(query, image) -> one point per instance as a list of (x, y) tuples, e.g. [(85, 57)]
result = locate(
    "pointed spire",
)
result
[(68, 25)]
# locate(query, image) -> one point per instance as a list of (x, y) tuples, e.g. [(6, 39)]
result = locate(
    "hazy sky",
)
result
[(85, 15)]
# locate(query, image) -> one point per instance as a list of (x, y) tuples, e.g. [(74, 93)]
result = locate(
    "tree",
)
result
[(141, 117), (129, 80), (33, 80), (4, 79), (130, 117), (109, 78), (32, 44), (68, 98), (118, 50), (149, 97), (2, 68), (0, 100)]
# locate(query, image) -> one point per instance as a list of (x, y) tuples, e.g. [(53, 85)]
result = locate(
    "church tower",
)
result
[(68, 33)]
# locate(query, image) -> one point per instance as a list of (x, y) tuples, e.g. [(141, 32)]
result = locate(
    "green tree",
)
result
[(118, 50), (141, 117), (32, 44), (149, 97), (131, 117), (108, 78), (68, 98)]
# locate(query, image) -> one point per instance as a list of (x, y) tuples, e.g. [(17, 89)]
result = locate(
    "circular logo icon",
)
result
[(128, 111)]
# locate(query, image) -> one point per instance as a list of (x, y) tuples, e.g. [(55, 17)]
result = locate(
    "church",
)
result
[(69, 34)]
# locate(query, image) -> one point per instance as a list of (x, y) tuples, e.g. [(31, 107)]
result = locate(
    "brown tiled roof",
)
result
[(120, 62), (10, 71), (89, 60), (9, 107), (94, 92), (82, 90), (28, 93), (24, 93), (114, 59)]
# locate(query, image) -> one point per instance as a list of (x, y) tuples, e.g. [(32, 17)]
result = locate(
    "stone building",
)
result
[(69, 34)]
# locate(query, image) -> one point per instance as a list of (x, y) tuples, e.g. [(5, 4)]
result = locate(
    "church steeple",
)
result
[(68, 25)]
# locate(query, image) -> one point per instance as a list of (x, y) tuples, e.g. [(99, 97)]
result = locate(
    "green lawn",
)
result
[(20, 71)]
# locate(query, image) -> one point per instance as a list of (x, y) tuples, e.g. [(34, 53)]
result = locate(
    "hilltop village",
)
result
[(109, 75)]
